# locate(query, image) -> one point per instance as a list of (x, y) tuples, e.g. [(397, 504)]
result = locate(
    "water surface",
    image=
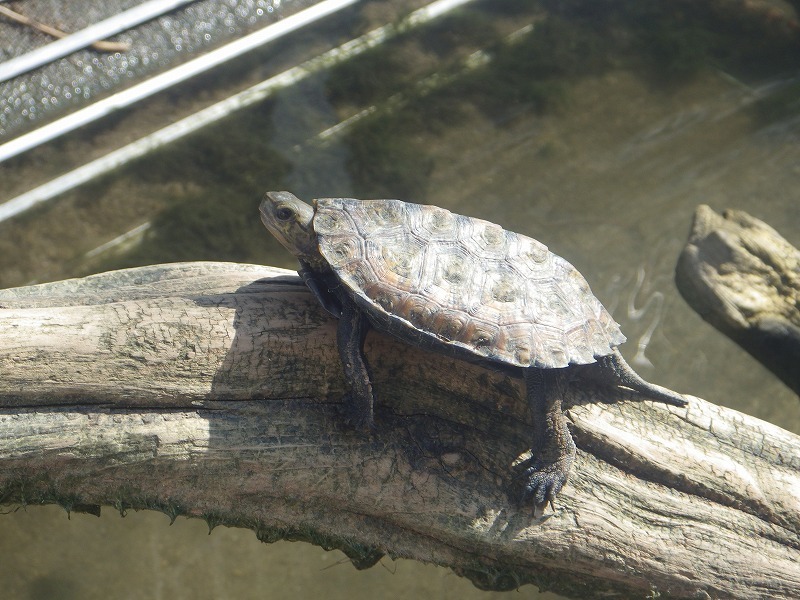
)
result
[(599, 147)]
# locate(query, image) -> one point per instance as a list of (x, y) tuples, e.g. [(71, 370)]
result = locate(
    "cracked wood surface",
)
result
[(213, 390)]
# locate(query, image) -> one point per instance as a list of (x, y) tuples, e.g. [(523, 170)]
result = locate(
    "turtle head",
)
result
[(289, 219)]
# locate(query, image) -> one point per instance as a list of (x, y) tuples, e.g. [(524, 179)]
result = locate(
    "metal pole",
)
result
[(169, 78), (81, 39), (217, 111)]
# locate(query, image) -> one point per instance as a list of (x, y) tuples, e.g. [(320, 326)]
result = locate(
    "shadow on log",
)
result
[(213, 390), (741, 276)]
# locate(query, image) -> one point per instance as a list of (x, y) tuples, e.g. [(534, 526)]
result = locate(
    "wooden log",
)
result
[(741, 276), (213, 390)]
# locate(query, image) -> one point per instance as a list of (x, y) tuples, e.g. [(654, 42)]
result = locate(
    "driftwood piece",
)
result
[(212, 390), (741, 276)]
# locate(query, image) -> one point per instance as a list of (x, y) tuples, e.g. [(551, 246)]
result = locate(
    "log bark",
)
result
[(213, 390), (741, 276)]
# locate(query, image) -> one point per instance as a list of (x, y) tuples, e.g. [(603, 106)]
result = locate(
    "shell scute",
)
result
[(332, 220), (451, 279), (579, 345), (551, 346), (345, 250), (448, 324), (397, 260), (389, 298), (481, 336), (417, 310), (359, 273), (442, 278), (484, 240), (436, 224), (501, 287), (528, 251), (377, 218)]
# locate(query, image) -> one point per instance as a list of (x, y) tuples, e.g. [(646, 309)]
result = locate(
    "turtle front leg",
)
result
[(553, 450), (353, 327)]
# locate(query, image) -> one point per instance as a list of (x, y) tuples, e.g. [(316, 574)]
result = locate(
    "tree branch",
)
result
[(213, 390)]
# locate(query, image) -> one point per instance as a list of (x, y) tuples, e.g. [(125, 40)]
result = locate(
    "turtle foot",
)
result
[(543, 481)]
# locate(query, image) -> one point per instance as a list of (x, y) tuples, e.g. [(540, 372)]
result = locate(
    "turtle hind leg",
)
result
[(352, 329), (615, 371), (553, 450)]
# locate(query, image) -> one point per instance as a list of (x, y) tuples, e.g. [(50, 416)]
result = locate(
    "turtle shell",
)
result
[(446, 281)]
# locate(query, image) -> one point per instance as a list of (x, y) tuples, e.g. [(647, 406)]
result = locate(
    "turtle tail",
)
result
[(618, 372)]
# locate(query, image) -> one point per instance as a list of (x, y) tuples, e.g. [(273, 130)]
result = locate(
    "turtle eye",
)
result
[(284, 213)]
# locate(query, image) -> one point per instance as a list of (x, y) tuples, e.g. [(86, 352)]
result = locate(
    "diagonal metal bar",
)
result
[(99, 31), (217, 111), (169, 78)]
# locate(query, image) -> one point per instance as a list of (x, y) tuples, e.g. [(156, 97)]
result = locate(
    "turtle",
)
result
[(464, 287)]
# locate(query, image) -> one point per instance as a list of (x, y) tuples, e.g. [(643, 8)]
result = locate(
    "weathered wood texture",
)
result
[(741, 276), (212, 390)]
